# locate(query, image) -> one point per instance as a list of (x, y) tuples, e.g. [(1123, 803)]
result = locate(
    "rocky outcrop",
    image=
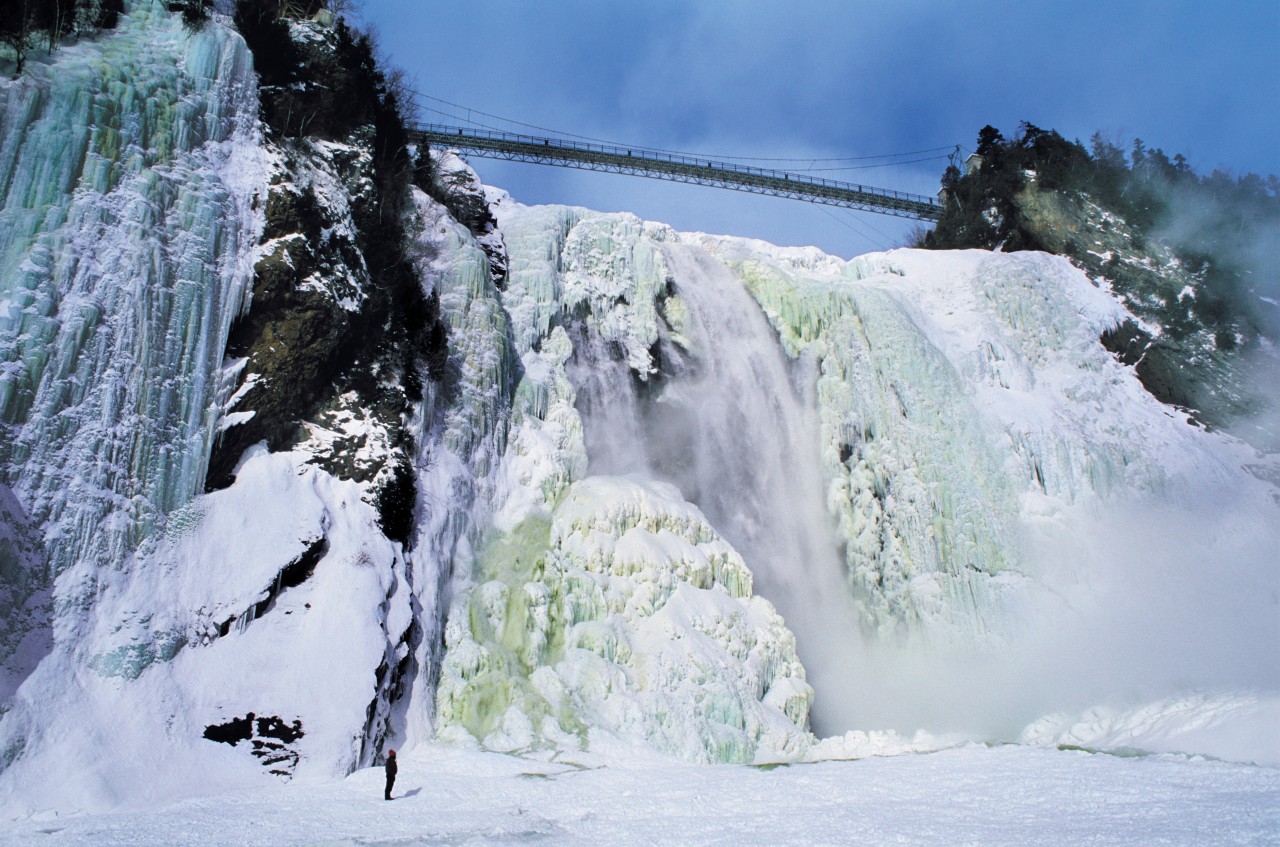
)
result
[(455, 185), (340, 333), (1182, 352), (1183, 252)]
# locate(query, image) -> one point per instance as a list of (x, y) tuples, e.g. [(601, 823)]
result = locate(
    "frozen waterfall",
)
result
[(125, 233), (675, 492), (917, 456), (732, 423)]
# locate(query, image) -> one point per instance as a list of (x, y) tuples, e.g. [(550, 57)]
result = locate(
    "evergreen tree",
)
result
[(1218, 225), (990, 141)]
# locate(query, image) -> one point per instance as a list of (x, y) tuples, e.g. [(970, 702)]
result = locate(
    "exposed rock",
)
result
[(1181, 357), (308, 282), (340, 332), (458, 188), (269, 740)]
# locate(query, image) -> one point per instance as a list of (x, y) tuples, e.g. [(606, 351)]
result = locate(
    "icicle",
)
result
[(124, 213)]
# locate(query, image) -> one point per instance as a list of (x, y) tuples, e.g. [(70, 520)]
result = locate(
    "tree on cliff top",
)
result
[(18, 26)]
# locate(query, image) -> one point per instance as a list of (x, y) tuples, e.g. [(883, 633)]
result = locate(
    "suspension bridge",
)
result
[(496, 144)]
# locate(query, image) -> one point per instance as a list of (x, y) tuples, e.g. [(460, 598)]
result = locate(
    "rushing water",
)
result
[(728, 422)]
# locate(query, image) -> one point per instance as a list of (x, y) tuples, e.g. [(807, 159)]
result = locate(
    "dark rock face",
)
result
[(298, 330), (340, 334), (1127, 342), (455, 186), (1189, 362), (314, 80), (340, 339), (269, 740), (465, 201)]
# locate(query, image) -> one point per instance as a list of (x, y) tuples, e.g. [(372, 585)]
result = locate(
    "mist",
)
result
[(1121, 601), (1233, 223), (1143, 601), (728, 423)]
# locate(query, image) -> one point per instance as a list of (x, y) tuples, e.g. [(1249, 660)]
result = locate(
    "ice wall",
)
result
[(127, 171), (461, 430), (601, 609), (247, 636), (916, 456), (917, 481), (672, 489), (26, 604), (624, 614), (955, 392)]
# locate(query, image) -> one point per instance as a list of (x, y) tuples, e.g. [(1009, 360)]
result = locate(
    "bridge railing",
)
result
[(693, 168)]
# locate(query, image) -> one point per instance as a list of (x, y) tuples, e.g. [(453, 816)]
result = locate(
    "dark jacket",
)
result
[(392, 767)]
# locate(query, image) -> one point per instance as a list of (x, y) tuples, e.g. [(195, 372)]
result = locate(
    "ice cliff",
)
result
[(902, 448), (128, 178)]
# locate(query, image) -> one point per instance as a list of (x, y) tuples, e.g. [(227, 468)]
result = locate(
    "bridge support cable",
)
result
[(698, 171)]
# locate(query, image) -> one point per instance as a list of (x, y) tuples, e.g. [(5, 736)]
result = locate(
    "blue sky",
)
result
[(805, 78)]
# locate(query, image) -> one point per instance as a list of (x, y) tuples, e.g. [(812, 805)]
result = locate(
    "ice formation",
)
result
[(265, 616), (560, 633), (1238, 727), (956, 412), (128, 174), (462, 433), (622, 614)]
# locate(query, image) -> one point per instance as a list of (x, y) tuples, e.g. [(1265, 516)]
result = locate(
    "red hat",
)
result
[(391, 752)]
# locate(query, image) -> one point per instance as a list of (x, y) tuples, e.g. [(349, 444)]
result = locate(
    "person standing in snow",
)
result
[(391, 771)]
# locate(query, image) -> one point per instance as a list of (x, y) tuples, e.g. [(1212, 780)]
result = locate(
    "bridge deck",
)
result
[(595, 157)]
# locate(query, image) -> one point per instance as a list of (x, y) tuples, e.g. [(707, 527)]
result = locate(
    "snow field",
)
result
[(126, 722), (976, 795)]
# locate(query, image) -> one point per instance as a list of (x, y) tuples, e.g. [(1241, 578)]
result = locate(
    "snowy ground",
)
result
[(1014, 795)]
